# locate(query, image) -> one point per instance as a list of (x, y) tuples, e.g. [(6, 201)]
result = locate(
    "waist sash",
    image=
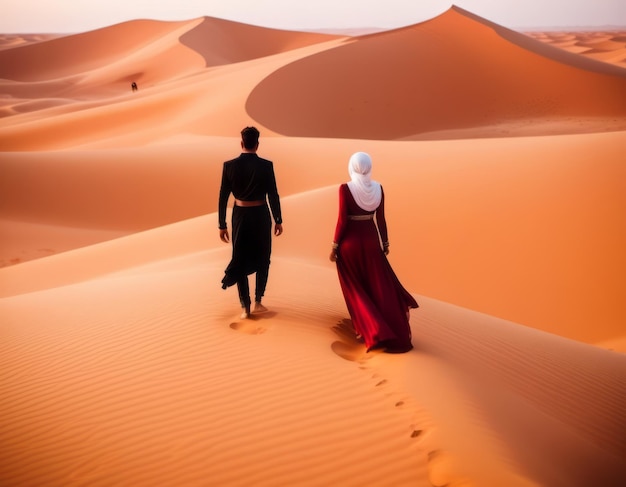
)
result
[(247, 204), (361, 217)]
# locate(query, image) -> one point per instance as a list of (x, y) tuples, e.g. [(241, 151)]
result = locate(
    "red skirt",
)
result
[(376, 300)]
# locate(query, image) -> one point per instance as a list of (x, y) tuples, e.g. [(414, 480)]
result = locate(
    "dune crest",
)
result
[(439, 76), (224, 42), (60, 57), (606, 46)]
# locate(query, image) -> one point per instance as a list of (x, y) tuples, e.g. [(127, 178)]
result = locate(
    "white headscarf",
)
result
[(366, 193)]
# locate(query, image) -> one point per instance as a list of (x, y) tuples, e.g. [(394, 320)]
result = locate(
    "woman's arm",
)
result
[(342, 219), (382, 223)]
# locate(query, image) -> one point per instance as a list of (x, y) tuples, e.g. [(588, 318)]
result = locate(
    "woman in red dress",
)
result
[(376, 300)]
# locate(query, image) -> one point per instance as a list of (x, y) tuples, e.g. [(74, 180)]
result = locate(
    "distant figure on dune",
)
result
[(252, 182), (133, 86), (377, 302)]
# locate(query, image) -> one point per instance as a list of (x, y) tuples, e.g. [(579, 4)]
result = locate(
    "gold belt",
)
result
[(249, 203), (361, 217)]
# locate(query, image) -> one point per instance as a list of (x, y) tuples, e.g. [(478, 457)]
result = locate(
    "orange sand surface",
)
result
[(607, 46), (123, 362)]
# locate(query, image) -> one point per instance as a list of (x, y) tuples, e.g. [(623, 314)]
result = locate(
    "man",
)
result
[(252, 182)]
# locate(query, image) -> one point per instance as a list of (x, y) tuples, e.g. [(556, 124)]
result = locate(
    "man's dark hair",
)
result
[(250, 137)]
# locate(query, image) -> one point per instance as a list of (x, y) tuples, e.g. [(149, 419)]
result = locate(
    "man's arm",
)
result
[(274, 199), (225, 190)]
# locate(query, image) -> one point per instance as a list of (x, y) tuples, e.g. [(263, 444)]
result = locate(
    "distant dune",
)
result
[(223, 42), (122, 360), (608, 46), (450, 73)]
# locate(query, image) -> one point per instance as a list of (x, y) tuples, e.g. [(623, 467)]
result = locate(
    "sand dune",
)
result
[(287, 391), (223, 42), (211, 102), (9, 41), (124, 363), (474, 236), (107, 63), (608, 46), (58, 58), (146, 52), (432, 77)]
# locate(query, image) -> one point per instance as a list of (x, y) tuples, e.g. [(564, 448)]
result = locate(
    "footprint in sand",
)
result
[(439, 468), (350, 347), (248, 326), (420, 425), (416, 433), (349, 351), (252, 325), (345, 331)]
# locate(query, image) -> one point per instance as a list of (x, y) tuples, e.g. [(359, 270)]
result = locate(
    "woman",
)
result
[(377, 302)]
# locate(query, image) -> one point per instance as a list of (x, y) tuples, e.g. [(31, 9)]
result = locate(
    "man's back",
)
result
[(250, 176)]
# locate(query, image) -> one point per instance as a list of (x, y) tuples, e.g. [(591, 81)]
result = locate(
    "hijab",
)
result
[(366, 193)]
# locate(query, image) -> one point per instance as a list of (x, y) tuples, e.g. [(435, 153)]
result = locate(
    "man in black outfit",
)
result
[(252, 182)]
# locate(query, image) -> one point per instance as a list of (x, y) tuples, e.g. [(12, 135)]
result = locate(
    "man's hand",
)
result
[(224, 237), (278, 229)]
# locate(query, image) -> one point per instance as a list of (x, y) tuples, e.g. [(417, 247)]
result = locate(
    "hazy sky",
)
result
[(61, 16)]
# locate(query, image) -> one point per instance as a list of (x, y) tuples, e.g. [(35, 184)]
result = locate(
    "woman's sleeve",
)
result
[(343, 215), (380, 218)]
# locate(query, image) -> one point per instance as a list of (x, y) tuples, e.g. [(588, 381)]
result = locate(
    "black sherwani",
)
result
[(249, 178)]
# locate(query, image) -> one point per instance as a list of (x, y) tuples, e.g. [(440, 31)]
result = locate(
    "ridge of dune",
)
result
[(102, 63), (518, 102), (222, 41), (22, 241), (119, 190), (452, 72), (606, 46), (9, 41), (107, 257), (204, 101), (79, 53), (75, 71), (543, 49)]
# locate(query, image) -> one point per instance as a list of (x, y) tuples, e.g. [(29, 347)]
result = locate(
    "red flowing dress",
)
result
[(376, 300)]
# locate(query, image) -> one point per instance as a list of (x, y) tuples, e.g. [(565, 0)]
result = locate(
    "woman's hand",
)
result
[(333, 252)]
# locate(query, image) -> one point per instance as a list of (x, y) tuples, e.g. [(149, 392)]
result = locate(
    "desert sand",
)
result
[(123, 362), (608, 46)]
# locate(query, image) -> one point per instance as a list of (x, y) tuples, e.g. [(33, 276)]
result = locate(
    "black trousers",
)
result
[(243, 286)]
